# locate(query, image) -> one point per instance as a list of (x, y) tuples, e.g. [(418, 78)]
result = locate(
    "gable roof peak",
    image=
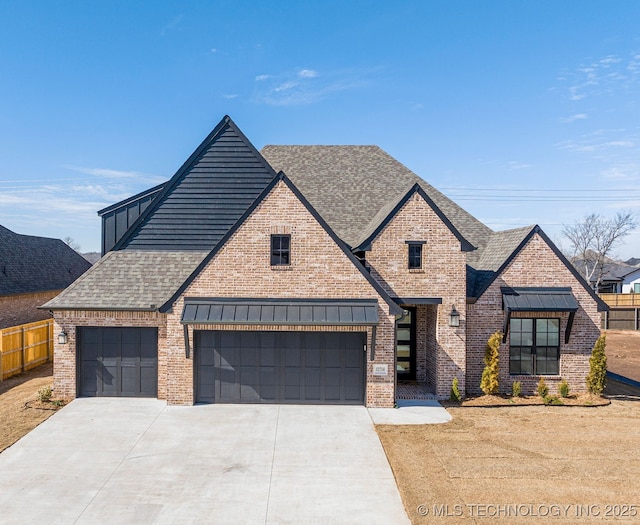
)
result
[(352, 185), (225, 162)]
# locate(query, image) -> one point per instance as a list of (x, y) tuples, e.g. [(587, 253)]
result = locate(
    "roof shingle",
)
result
[(31, 264), (129, 280)]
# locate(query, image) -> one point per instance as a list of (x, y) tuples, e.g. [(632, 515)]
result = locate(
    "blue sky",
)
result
[(522, 112)]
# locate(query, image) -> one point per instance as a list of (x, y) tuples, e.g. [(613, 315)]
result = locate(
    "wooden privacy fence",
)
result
[(621, 300), (24, 347)]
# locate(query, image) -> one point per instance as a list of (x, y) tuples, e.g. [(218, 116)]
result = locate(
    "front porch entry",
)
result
[(416, 351)]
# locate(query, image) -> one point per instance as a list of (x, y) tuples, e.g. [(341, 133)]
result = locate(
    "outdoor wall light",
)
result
[(454, 317), (62, 337)]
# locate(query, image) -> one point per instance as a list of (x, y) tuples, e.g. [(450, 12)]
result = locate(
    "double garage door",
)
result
[(117, 362), (280, 367)]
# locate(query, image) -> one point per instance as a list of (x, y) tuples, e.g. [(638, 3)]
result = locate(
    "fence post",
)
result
[(49, 340), (637, 319), (1, 371), (24, 352)]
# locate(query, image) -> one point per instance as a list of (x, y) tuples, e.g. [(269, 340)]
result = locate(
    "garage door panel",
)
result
[(107, 379), (111, 361), (149, 379), (228, 357), (312, 358), (267, 357), (130, 378), (292, 356), (90, 336), (110, 350), (248, 356), (89, 378), (207, 357), (312, 377), (332, 357), (353, 360)]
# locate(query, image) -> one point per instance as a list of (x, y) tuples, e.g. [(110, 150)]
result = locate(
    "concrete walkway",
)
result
[(138, 461), (411, 412)]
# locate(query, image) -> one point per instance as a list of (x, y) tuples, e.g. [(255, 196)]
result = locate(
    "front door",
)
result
[(406, 344)]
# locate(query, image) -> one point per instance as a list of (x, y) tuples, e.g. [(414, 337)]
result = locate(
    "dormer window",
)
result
[(415, 254), (280, 250)]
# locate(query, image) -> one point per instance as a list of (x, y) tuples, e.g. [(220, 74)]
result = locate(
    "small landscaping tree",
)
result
[(455, 391), (543, 389), (563, 388), (597, 378), (516, 389), (490, 375)]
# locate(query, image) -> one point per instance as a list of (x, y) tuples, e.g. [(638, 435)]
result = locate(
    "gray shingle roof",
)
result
[(129, 279), (31, 264), (485, 262), (354, 188), (351, 186)]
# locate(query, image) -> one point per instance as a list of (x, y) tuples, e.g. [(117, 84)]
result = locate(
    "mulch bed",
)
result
[(576, 400)]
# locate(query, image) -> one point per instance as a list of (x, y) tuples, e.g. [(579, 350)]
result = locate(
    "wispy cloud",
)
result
[(230, 96), (605, 144), (117, 174), (573, 118), (171, 25), (305, 86), (604, 76), (69, 201), (307, 73), (622, 173), (514, 165)]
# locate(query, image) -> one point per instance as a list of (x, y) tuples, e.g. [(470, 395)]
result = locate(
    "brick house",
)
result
[(313, 274), (33, 270)]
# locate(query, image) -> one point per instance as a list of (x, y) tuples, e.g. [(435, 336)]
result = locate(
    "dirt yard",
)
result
[(521, 465), (19, 411), (623, 353)]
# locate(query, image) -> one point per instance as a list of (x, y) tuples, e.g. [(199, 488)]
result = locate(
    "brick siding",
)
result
[(318, 269), (443, 275), (535, 265), (23, 308)]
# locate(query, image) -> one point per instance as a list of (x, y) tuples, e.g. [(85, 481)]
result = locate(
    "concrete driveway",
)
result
[(139, 461)]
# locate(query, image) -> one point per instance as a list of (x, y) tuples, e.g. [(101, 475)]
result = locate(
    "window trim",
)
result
[(414, 245), (276, 255), (534, 346)]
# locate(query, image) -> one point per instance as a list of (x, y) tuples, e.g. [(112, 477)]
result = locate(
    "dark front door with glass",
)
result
[(406, 344)]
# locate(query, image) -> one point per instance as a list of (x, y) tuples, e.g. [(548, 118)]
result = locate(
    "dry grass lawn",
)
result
[(19, 411), (534, 456), (623, 353)]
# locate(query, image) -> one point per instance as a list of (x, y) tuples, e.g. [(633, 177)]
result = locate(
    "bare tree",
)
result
[(71, 243), (592, 240)]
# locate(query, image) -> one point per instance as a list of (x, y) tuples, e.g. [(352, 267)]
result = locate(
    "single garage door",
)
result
[(280, 367), (121, 362)]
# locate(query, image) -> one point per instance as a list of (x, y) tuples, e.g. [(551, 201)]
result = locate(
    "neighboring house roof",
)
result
[(353, 186), (30, 264), (129, 280), (613, 271), (634, 261), (205, 197)]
